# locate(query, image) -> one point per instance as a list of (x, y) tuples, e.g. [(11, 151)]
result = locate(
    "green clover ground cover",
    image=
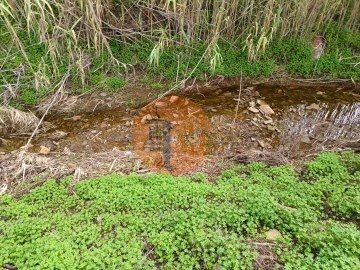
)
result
[(164, 222)]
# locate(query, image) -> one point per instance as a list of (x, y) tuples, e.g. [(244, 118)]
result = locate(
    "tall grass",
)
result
[(62, 25)]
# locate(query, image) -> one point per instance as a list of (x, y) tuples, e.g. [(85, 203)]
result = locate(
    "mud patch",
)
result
[(171, 135)]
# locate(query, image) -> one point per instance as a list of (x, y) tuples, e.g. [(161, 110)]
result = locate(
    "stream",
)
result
[(304, 119)]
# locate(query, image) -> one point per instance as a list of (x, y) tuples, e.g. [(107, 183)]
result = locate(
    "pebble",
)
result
[(266, 109), (173, 99), (261, 143), (313, 106), (145, 118), (261, 102), (273, 235), (161, 104), (253, 110), (271, 128), (44, 150), (305, 139)]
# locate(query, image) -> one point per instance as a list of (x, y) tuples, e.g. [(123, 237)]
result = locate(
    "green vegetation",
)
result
[(100, 47), (159, 221)]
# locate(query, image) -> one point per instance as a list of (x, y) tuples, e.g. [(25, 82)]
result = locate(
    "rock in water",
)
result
[(266, 109), (173, 99), (313, 106), (253, 110)]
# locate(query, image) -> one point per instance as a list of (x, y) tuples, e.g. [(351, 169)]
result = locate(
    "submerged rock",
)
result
[(313, 106), (266, 109), (253, 110)]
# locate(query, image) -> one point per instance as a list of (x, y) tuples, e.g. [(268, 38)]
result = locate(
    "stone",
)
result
[(273, 235), (271, 128), (44, 150), (261, 102), (161, 104), (268, 122), (173, 99), (266, 109), (313, 106), (252, 104), (58, 134), (67, 151), (103, 125), (99, 218), (318, 44), (305, 139), (261, 143), (76, 117), (146, 118), (253, 110)]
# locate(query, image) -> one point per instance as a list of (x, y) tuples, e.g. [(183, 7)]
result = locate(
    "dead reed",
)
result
[(62, 24)]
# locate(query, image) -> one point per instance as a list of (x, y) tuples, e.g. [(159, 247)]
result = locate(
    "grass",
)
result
[(102, 43), (176, 62), (158, 221)]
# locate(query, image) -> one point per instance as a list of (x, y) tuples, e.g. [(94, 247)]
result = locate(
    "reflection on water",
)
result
[(331, 123)]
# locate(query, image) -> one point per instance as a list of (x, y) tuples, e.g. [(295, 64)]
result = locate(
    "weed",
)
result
[(147, 222)]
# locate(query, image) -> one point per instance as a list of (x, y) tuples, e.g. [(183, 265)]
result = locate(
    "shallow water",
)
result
[(295, 127)]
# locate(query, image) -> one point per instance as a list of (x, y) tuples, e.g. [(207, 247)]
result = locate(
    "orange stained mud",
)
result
[(170, 135)]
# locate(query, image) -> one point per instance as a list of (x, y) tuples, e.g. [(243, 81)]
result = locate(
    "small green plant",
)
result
[(29, 97), (160, 221), (115, 83)]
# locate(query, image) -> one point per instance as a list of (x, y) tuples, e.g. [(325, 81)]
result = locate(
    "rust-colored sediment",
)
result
[(187, 145)]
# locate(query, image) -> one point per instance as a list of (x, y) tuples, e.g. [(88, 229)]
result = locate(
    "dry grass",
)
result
[(15, 121), (22, 171), (62, 24)]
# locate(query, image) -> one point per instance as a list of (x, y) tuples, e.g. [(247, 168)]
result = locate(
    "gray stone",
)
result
[(273, 235)]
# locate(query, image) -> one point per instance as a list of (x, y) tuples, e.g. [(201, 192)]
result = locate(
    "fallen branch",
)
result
[(60, 85), (238, 101)]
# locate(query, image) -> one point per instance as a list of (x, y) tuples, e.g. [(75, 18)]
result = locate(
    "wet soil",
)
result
[(276, 123)]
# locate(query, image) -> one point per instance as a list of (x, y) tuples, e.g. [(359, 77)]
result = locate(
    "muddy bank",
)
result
[(275, 123), (137, 94)]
